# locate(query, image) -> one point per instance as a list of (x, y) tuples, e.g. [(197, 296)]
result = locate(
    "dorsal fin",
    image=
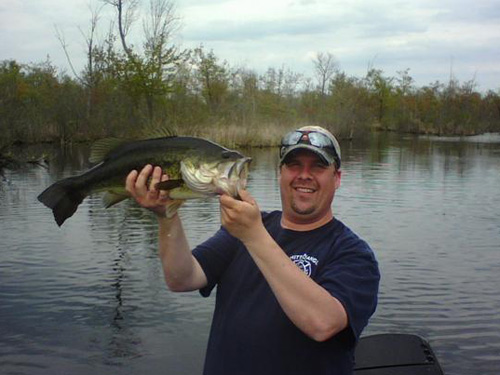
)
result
[(101, 148), (157, 132)]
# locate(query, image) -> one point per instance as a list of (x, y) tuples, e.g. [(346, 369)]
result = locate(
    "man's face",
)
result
[(307, 187)]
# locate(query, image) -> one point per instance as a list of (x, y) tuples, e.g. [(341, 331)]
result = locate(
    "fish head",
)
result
[(224, 175)]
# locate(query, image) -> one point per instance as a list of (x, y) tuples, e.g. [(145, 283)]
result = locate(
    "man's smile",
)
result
[(303, 189)]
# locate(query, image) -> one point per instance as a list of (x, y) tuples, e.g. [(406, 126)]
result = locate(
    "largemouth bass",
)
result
[(196, 168)]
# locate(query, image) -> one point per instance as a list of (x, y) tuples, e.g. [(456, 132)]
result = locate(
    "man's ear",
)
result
[(339, 177)]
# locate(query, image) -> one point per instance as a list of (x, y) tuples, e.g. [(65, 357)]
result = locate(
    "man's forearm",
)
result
[(308, 305), (181, 270)]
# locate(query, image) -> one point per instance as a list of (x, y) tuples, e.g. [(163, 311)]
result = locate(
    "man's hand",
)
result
[(148, 196), (182, 271), (241, 218)]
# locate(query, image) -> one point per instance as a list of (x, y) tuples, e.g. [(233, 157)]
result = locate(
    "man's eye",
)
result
[(320, 166)]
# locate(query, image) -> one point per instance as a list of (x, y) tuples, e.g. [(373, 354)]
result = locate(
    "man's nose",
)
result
[(305, 173)]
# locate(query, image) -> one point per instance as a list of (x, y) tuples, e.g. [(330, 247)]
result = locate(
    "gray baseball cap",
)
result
[(315, 139)]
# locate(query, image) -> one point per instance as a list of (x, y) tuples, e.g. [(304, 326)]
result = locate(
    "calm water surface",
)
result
[(90, 298)]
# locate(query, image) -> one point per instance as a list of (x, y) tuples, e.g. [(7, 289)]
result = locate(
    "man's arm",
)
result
[(182, 271), (308, 305)]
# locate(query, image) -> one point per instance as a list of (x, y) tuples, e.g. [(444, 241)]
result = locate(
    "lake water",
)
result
[(90, 297)]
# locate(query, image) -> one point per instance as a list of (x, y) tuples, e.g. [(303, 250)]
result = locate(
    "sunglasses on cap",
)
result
[(310, 137)]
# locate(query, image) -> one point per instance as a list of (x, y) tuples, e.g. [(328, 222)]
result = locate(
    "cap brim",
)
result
[(325, 156)]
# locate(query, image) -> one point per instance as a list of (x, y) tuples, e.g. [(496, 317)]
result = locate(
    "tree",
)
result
[(13, 91), (404, 107), (278, 94), (149, 73), (90, 76), (325, 66), (213, 78), (348, 103), (381, 88)]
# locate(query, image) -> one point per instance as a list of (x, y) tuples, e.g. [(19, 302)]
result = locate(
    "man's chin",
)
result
[(303, 210)]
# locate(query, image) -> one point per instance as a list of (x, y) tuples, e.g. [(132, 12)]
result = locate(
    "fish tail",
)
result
[(63, 198)]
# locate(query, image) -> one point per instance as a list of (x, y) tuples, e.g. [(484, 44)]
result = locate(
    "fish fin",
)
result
[(101, 149), (172, 207), (158, 132), (169, 184), (110, 199), (183, 192), (62, 198)]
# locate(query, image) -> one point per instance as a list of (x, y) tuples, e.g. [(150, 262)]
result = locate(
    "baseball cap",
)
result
[(315, 139)]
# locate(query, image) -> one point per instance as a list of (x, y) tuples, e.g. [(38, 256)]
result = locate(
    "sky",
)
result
[(434, 39)]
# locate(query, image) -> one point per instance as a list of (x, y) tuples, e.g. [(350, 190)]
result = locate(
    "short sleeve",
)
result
[(214, 256), (352, 277)]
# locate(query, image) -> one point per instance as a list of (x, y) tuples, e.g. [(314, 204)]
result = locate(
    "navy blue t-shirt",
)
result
[(251, 334)]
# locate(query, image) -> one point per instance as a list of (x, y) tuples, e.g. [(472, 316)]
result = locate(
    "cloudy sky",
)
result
[(432, 38)]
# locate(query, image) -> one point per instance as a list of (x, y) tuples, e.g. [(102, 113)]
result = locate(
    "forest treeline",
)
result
[(129, 91)]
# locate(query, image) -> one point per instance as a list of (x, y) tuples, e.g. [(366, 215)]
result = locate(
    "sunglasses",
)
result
[(312, 138)]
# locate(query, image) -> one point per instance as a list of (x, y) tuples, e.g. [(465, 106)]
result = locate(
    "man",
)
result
[(294, 288)]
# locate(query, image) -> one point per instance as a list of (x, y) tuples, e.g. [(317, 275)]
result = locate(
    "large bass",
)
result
[(196, 168)]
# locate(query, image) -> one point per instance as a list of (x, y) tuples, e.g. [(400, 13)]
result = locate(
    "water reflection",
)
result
[(90, 296)]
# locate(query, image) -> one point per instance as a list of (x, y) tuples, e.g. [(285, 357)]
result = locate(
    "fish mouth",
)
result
[(226, 177), (235, 178), (240, 169)]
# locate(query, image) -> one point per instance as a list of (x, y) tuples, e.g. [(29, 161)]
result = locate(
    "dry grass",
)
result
[(259, 135), (229, 135)]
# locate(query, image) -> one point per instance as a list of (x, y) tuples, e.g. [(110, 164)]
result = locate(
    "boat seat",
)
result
[(395, 354)]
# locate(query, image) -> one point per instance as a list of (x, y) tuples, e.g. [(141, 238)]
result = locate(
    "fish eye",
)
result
[(226, 154)]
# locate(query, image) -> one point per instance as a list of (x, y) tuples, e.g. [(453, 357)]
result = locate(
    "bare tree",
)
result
[(325, 66), (126, 14), (89, 78), (162, 23)]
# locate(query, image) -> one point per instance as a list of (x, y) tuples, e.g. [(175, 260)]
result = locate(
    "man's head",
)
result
[(315, 139), (309, 175)]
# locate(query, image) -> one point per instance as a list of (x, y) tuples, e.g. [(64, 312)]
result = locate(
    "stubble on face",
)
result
[(298, 210), (302, 208)]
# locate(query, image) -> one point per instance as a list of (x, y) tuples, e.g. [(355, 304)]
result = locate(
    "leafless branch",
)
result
[(325, 66), (64, 45)]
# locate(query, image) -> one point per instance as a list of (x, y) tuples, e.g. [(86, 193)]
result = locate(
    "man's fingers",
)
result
[(246, 197), (140, 182), (143, 175), (142, 187), (155, 179), (130, 181), (227, 201)]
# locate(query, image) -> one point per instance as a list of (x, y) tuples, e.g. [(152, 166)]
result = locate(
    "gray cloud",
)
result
[(427, 36), (221, 30), (483, 11)]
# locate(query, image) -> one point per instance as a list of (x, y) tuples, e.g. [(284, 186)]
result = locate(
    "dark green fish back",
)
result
[(180, 146)]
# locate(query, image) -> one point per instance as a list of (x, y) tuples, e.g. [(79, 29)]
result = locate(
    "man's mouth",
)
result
[(304, 189)]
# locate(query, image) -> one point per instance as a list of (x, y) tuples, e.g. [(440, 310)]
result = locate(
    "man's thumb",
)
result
[(246, 197)]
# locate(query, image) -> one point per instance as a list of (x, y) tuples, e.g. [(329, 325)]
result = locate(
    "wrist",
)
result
[(164, 219), (257, 238), (169, 210)]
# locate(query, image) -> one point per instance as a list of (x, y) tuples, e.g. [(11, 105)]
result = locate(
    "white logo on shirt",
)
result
[(304, 262)]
